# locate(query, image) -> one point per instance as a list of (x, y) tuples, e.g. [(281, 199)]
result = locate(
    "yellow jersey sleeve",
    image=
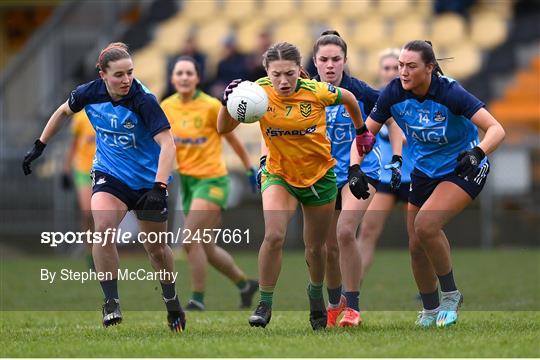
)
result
[(327, 94)]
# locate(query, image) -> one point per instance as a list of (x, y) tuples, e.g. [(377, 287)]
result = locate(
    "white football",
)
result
[(248, 102)]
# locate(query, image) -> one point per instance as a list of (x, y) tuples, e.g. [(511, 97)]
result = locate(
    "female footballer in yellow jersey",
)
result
[(296, 167), (204, 180), (78, 163)]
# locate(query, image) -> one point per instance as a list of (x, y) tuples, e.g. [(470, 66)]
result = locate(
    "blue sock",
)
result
[(110, 288), (334, 295), (352, 299)]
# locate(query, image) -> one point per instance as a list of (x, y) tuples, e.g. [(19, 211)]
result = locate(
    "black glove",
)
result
[(228, 90), (32, 155), (468, 162), (395, 167), (67, 183), (262, 164), (358, 182), (153, 203)]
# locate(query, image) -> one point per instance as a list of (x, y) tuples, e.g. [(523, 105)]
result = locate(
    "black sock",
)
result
[(110, 288), (447, 282), (169, 291), (352, 299), (431, 300), (334, 295)]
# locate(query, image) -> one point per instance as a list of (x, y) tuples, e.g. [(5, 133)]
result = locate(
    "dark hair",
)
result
[(191, 60), (284, 51), (425, 48), (330, 37), (112, 52)]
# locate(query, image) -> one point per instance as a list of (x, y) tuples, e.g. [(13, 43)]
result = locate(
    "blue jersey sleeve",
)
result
[(364, 93), (152, 115), (370, 98), (381, 110), (78, 98), (461, 102)]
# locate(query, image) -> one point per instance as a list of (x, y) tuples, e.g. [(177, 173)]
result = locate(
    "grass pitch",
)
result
[(500, 317)]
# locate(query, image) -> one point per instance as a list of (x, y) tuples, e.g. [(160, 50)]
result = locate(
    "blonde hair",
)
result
[(389, 52)]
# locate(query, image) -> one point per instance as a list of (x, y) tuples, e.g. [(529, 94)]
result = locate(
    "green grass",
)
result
[(226, 334), (500, 317)]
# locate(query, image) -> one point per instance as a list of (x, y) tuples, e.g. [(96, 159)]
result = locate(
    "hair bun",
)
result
[(330, 32)]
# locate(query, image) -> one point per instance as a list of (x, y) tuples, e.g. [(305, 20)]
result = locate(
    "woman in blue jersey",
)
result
[(440, 120), (134, 158), (343, 251), (387, 196)]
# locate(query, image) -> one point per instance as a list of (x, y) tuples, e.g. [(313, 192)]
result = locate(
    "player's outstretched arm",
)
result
[(53, 125), (396, 137), (55, 122), (225, 123), (373, 126), (240, 150), (353, 109), (167, 155)]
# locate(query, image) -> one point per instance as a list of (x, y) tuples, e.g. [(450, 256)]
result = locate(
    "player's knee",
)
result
[(332, 253), (367, 231), (346, 235), (425, 229), (274, 239), (157, 252), (314, 250), (415, 247)]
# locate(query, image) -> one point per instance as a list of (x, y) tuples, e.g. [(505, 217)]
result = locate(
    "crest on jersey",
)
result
[(128, 124), (439, 117), (331, 88), (305, 109)]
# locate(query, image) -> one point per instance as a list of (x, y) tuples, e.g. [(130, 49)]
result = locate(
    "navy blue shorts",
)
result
[(402, 194), (422, 186), (370, 180), (103, 182)]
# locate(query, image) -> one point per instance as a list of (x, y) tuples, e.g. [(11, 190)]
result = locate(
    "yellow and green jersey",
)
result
[(294, 130), (85, 138), (194, 127)]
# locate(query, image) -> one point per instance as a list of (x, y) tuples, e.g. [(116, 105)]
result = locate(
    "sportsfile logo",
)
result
[(241, 110), (271, 132)]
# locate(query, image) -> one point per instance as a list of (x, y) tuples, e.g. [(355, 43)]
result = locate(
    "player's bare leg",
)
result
[(108, 211), (279, 207)]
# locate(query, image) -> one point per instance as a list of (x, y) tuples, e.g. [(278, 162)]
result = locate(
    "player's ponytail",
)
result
[(425, 48), (304, 74), (112, 52)]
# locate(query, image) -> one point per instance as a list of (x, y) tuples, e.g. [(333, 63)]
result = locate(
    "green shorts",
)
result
[(215, 190), (322, 192), (82, 179)]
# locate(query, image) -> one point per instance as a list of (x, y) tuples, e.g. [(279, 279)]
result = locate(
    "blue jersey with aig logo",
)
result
[(341, 132), (125, 130), (437, 126)]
